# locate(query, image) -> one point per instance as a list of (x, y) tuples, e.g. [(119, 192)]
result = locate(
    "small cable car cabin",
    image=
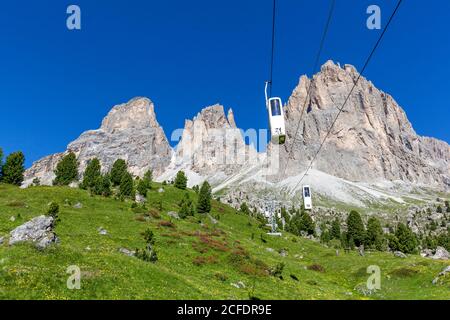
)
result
[(276, 119), (307, 201)]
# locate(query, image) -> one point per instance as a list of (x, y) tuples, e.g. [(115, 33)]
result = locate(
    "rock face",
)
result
[(372, 139), (38, 230), (210, 147), (130, 131)]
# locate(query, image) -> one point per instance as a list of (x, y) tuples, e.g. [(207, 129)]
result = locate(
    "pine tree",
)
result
[(374, 234), (355, 228), (92, 174), (307, 223), (186, 207), (118, 169), (181, 180), (102, 186), (406, 240), (148, 178), (335, 229), (13, 169), (126, 188), (66, 170), (204, 198), (142, 188)]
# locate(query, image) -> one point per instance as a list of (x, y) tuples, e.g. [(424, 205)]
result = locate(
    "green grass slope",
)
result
[(197, 259)]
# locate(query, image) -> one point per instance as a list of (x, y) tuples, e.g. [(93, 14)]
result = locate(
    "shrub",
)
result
[(316, 267), (277, 270), (220, 276), (166, 224), (244, 209), (36, 182), (52, 211), (66, 170), (13, 169), (149, 253)]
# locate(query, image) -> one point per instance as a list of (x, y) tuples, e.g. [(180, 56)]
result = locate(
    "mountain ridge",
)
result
[(372, 142)]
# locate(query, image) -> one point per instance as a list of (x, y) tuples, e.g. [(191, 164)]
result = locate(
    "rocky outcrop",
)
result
[(372, 139), (210, 147), (130, 131), (38, 231)]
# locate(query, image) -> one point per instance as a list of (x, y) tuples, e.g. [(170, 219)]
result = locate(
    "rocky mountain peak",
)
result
[(214, 117), (138, 113)]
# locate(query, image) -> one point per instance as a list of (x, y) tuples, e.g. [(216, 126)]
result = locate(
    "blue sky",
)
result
[(185, 55)]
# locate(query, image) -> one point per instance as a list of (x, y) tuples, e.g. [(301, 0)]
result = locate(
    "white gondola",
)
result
[(307, 201), (276, 119)]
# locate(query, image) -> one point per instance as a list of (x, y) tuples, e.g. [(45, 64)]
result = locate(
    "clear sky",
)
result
[(185, 55)]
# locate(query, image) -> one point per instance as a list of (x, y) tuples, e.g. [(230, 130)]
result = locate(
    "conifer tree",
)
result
[(92, 174), (118, 169), (204, 198), (126, 188), (335, 229), (66, 170), (355, 228), (13, 169), (181, 180)]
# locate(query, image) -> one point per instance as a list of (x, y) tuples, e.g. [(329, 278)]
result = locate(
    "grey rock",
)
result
[(270, 250), (212, 219), (39, 230), (173, 214), (78, 205), (426, 253), (445, 271), (139, 198), (399, 254), (441, 254), (283, 253), (12, 219), (127, 252), (161, 190), (102, 231), (2, 240)]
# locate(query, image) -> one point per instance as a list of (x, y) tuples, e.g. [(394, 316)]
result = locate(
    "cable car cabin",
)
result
[(307, 201), (276, 120)]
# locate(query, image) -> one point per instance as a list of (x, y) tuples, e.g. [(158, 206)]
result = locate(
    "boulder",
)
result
[(173, 214), (38, 230), (78, 205), (399, 254), (102, 231), (127, 252), (441, 254)]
